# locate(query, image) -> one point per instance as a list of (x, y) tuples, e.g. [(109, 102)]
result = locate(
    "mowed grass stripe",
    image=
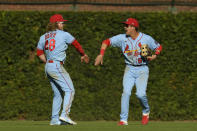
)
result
[(99, 126)]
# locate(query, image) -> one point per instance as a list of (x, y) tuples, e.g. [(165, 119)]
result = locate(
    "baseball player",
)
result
[(51, 50), (136, 71)]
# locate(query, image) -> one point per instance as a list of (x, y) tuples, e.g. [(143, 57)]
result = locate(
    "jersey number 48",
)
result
[(50, 45)]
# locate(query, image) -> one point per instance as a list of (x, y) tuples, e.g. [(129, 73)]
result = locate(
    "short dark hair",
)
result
[(51, 27)]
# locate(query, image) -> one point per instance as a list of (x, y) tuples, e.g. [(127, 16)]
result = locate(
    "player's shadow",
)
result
[(42, 124)]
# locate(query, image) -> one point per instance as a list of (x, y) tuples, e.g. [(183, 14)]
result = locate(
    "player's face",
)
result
[(60, 25), (129, 29)]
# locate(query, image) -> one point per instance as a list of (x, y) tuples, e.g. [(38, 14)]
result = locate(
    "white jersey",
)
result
[(131, 48), (54, 44)]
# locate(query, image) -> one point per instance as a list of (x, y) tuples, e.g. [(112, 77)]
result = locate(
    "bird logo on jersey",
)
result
[(129, 51)]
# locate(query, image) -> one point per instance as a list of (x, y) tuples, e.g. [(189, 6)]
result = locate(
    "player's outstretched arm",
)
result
[(84, 57), (99, 58)]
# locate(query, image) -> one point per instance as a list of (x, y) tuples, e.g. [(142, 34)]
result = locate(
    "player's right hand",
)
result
[(85, 59), (98, 60)]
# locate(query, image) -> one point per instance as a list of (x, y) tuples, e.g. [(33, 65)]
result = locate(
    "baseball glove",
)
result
[(145, 51)]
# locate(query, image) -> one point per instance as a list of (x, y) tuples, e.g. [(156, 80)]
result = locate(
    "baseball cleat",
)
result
[(68, 120), (63, 123), (59, 124), (145, 119), (55, 122), (122, 123)]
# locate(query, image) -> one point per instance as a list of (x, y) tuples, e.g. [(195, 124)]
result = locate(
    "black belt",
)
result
[(137, 65)]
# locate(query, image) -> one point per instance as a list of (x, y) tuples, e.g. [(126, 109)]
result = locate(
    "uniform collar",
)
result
[(127, 36)]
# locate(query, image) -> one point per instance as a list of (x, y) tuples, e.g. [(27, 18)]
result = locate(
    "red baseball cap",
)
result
[(57, 18), (132, 21)]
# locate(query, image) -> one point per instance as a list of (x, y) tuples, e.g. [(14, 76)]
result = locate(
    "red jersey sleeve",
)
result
[(158, 50), (107, 42), (39, 52), (79, 48)]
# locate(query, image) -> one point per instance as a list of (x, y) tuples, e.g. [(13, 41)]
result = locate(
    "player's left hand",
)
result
[(150, 58), (85, 58)]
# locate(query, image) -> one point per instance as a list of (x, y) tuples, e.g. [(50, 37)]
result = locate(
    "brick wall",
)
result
[(83, 7)]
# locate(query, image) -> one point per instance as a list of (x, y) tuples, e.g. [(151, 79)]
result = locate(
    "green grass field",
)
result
[(99, 126)]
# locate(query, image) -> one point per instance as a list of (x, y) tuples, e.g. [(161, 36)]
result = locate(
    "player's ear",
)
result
[(58, 25)]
